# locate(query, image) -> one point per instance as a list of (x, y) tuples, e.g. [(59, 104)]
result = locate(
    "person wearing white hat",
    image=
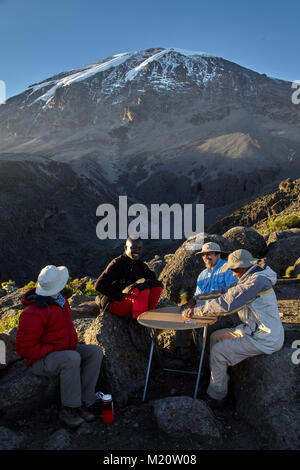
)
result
[(261, 330), (211, 279), (47, 339)]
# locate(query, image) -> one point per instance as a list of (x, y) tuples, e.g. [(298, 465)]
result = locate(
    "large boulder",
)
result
[(21, 392), (248, 239), (283, 253), (125, 344), (184, 416), (9, 440), (156, 265), (282, 235), (83, 306), (182, 270), (267, 390), (59, 440), (81, 325)]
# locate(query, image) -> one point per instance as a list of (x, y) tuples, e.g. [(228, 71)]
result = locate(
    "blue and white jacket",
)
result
[(214, 280)]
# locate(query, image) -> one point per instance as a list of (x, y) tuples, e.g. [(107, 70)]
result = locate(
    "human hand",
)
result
[(128, 289), (188, 304), (183, 307), (187, 313)]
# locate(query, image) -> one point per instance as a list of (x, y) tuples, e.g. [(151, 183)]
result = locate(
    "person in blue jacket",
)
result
[(211, 279)]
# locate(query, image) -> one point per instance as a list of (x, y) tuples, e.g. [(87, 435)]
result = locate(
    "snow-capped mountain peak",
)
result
[(138, 63)]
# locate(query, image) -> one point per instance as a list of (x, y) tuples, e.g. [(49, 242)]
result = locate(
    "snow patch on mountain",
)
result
[(117, 60), (162, 75), (132, 73)]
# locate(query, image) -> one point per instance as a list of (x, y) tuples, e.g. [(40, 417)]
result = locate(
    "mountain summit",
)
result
[(159, 125)]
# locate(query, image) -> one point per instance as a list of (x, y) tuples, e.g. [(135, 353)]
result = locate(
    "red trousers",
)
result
[(139, 300)]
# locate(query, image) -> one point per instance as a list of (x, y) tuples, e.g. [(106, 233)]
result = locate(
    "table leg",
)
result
[(148, 369), (201, 360)]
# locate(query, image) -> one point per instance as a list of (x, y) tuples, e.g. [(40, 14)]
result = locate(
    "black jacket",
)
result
[(120, 273)]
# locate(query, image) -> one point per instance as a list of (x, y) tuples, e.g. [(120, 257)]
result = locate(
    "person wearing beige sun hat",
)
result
[(239, 259), (261, 330), (47, 339)]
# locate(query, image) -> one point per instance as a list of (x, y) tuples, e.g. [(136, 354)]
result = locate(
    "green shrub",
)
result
[(89, 289), (8, 283), (28, 286), (168, 258), (289, 271), (72, 287), (10, 322), (278, 223), (9, 286)]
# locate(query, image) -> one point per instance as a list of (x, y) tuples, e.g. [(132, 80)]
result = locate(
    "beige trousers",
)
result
[(78, 371), (227, 348)]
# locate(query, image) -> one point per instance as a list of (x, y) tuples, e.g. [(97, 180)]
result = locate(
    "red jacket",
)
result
[(44, 330)]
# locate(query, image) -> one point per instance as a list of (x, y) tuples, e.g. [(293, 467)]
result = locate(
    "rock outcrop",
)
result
[(9, 440), (267, 390), (282, 235), (282, 200), (22, 392), (181, 416), (247, 239), (126, 346), (283, 253)]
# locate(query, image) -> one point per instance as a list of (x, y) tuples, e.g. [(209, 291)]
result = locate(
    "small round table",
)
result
[(170, 318)]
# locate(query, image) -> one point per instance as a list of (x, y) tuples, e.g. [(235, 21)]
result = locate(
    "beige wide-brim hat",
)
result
[(209, 246), (52, 280), (239, 259)]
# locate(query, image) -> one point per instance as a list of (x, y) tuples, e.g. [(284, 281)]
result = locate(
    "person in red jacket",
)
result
[(47, 339)]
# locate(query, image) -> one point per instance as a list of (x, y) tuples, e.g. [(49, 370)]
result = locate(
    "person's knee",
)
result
[(94, 351), (217, 352), (97, 351), (218, 336), (214, 338), (72, 359)]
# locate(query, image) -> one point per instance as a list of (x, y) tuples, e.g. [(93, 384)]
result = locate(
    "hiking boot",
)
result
[(212, 403), (70, 416), (86, 414)]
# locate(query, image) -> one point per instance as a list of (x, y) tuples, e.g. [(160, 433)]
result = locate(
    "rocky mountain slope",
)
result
[(160, 126), (283, 201)]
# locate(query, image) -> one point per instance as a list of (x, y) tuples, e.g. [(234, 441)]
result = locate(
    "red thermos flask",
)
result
[(107, 407)]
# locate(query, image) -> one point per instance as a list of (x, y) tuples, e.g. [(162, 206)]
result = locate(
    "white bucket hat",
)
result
[(209, 246), (239, 259), (52, 280)]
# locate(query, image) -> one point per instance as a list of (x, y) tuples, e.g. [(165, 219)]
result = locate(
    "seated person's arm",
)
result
[(214, 293), (105, 283), (28, 339), (148, 274), (235, 298)]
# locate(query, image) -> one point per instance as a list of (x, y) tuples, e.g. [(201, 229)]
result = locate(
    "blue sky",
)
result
[(40, 38)]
